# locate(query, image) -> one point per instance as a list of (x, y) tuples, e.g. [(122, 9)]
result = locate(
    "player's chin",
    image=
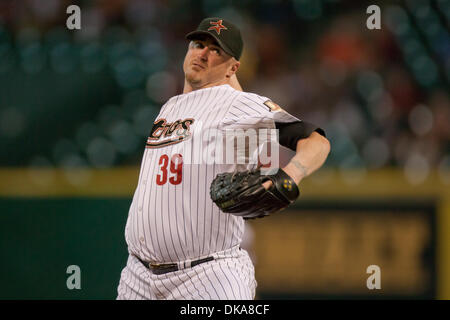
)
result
[(195, 70), (193, 76)]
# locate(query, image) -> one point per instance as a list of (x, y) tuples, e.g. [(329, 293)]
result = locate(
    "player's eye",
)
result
[(198, 44), (216, 51)]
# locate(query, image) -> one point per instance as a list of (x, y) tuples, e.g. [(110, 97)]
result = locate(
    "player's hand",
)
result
[(250, 194), (291, 173), (267, 184)]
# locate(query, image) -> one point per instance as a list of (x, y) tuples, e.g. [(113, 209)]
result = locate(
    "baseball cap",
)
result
[(227, 35)]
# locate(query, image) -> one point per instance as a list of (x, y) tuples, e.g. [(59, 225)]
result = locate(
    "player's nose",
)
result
[(203, 54)]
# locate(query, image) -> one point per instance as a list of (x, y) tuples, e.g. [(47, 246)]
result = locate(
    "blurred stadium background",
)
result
[(76, 107)]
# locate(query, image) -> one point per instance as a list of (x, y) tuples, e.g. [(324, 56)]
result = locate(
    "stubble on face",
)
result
[(192, 76), (199, 72)]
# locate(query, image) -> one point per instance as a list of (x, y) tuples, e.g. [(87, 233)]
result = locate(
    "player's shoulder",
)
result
[(257, 102), (252, 97)]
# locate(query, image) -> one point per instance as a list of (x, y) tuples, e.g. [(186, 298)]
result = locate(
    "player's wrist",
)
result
[(292, 171)]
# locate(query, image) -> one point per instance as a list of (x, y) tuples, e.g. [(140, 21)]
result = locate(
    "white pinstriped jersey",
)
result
[(172, 217)]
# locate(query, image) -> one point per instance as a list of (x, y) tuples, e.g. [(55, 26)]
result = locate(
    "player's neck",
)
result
[(189, 87)]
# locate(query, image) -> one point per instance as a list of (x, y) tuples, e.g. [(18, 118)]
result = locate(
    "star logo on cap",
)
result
[(217, 26)]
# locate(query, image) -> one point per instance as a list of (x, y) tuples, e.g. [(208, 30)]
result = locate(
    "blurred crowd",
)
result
[(381, 95)]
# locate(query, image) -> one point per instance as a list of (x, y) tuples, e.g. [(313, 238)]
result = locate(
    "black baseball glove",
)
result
[(243, 194)]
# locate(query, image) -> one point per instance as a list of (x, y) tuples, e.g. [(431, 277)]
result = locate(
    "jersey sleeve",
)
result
[(253, 111), (249, 111)]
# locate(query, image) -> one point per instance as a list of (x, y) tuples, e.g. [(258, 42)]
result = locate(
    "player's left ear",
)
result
[(234, 67)]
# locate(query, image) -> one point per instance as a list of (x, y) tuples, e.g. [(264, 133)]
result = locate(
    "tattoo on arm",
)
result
[(300, 167)]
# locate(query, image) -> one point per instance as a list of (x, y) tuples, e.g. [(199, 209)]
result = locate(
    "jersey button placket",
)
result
[(141, 238)]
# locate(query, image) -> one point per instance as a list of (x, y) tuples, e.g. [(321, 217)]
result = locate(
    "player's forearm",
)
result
[(311, 155)]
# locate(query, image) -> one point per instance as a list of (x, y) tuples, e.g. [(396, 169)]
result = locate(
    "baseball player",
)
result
[(185, 223)]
